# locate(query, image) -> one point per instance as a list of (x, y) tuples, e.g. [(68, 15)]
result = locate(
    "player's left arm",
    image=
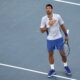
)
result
[(65, 31), (61, 22)]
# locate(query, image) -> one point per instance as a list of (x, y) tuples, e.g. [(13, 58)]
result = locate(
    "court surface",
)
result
[(23, 51)]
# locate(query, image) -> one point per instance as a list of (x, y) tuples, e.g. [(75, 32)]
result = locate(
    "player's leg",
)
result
[(51, 61), (51, 58), (63, 56), (64, 60), (60, 47), (50, 45)]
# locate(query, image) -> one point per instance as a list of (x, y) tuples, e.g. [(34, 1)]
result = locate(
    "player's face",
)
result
[(49, 10)]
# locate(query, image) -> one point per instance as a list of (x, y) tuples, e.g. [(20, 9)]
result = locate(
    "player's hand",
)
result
[(51, 22), (66, 38), (45, 29)]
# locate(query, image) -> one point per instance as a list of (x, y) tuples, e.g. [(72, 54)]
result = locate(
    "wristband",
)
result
[(65, 34)]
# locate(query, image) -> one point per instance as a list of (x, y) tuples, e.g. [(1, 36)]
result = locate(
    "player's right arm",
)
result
[(43, 26), (43, 29)]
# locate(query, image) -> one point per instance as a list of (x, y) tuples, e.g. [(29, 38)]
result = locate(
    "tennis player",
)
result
[(52, 24)]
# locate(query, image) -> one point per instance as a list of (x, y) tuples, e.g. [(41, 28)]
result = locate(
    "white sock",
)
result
[(52, 66), (65, 64)]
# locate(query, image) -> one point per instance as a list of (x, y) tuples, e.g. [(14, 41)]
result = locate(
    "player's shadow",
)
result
[(54, 78), (64, 74)]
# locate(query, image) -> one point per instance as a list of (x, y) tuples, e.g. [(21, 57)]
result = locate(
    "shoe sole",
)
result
[(52, 75), (68, 73)]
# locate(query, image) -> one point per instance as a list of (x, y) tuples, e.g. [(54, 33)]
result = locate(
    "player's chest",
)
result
[(54, 20)]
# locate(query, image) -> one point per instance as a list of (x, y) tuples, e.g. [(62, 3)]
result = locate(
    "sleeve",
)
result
[(42, 23), (60, 20)]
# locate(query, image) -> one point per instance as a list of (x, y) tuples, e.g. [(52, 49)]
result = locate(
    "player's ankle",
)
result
[(65, 64), (52, 66)]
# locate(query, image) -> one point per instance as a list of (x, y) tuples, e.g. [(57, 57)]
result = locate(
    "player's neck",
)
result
[(50, 15)]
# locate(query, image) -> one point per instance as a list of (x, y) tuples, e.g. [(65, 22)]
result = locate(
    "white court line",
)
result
[(77, 4), (30, 70)]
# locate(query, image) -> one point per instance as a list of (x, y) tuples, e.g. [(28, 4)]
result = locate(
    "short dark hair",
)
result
[(49, 5)]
